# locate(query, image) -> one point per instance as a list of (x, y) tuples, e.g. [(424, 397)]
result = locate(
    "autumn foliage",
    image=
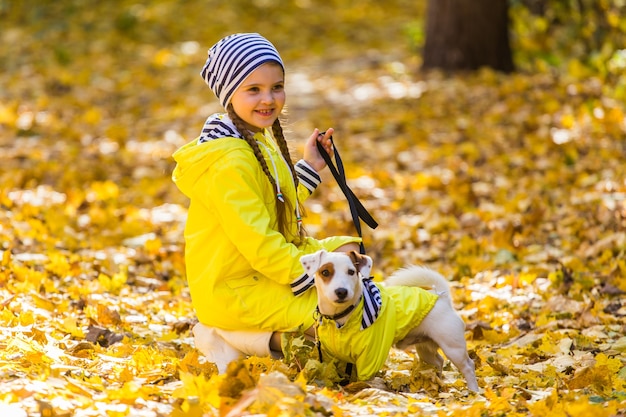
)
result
[(512, 186)]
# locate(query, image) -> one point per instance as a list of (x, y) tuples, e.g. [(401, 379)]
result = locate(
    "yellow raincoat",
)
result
[(403, 308), (240, 268)]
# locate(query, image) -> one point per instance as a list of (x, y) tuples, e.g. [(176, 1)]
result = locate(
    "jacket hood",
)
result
[(194, 158), (197, 156)]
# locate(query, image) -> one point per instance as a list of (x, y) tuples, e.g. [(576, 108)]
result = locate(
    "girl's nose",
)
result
[(268, 97)]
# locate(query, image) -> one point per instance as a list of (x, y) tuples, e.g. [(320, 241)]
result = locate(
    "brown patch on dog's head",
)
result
[(326, 271)]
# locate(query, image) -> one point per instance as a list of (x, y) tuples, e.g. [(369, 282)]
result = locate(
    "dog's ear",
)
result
[(363, 262), (312, 261), (365, 267)]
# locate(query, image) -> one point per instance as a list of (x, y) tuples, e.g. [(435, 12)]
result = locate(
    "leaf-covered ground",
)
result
[(513, 186)]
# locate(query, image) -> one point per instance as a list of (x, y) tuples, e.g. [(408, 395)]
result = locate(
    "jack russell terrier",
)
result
[(360, 321)]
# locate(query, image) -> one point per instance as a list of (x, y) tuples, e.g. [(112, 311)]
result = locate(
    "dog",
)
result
[(360, 321)]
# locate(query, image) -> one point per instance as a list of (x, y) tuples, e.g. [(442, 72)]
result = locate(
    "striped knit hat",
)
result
[(232, 59)]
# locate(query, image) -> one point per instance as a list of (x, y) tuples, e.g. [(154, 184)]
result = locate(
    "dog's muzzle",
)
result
[(341, 294)]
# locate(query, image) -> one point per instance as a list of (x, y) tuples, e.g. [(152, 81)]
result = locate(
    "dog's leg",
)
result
[(459, 357), (428, 352), (444, 326)]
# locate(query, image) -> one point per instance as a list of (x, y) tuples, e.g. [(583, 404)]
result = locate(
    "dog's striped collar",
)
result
[(372, 303)]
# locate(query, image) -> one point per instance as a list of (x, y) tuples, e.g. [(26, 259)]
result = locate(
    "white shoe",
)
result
[(208, 341), (224, 346), (251, 343)]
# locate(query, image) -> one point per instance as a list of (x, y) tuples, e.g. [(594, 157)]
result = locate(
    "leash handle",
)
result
[(357, 210)]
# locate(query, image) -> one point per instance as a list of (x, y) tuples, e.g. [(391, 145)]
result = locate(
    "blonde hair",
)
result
[(283, 208)]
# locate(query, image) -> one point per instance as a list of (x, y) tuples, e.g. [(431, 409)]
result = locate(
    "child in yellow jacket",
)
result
[(244, 234)]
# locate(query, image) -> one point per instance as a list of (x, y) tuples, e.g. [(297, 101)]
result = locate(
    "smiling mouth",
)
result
[(265, 112)]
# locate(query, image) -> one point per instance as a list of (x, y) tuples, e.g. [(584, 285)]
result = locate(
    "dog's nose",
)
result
[(341, 293)]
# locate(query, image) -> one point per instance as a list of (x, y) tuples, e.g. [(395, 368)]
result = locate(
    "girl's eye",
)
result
[(279, 87)]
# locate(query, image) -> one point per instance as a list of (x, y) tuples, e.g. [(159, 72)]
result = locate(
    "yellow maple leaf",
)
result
[(107, 316), (58, 264), (501, 400), (549, 344), (43, 302), (198, 386), (153, 246), (601, 377), (191, 364), (6, 257), (126, 374), (70, 325), (114, 283), (103, 190), (545, 406)]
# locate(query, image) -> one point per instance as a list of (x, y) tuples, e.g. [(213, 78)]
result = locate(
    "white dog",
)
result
[(360, 321)]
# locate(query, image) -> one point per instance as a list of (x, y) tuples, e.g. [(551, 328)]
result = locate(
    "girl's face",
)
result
[(260, 99)]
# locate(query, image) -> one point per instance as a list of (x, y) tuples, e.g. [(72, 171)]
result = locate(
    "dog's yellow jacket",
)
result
[(239, 266), (403, 308)]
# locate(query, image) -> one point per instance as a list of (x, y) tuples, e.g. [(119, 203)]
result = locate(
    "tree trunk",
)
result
[(467, 35)]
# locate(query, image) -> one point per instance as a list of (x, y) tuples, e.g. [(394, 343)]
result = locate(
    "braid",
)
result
[(239, 124), (282, 208), (277, 130)]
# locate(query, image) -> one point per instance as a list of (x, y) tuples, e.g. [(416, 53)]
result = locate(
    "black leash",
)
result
[(357, 210)]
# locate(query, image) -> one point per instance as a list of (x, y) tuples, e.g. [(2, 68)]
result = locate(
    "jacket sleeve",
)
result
[(308, 178), (240, 194)]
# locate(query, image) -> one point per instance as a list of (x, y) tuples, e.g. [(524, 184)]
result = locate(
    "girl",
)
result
[(244, 234)]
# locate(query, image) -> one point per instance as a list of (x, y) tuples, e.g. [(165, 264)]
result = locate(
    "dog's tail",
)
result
[(420, 276)]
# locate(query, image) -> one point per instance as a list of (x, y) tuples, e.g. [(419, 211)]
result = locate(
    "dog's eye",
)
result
[(325, 273), (351, 272)]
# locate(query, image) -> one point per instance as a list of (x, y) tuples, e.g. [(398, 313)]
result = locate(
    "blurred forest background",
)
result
[(511, 184)]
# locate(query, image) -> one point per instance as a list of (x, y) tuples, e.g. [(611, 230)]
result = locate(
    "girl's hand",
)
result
[(311, 154)]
